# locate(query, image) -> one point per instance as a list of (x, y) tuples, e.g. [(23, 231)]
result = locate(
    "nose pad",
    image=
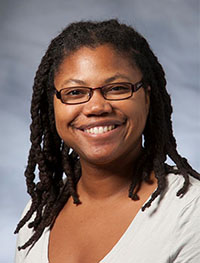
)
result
[(97, 105)]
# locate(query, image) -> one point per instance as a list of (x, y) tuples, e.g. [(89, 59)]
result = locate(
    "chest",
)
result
[(88, 234)]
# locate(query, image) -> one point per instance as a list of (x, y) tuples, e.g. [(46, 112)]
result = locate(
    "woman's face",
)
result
[(122, 121)]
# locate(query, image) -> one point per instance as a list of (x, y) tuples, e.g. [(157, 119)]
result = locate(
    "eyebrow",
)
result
[(106, 81), (115, 77)]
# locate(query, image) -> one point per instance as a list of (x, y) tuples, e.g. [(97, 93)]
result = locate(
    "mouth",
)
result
[(100, 129)]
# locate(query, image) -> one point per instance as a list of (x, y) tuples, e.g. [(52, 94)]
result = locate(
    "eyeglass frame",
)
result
[(134, 87)]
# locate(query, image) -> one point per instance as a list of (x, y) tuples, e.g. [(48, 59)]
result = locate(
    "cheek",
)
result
[(138, 113), (63, 117), (138, 119)]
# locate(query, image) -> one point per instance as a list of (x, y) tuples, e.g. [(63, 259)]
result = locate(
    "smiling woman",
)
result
[(81, 125), (98, 93)]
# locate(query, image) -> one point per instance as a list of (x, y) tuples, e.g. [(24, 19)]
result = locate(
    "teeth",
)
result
[(99, 130)]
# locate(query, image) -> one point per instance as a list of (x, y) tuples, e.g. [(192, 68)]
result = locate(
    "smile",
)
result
[(100, 129)]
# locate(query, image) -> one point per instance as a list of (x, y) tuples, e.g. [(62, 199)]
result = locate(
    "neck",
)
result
[(104, 182)]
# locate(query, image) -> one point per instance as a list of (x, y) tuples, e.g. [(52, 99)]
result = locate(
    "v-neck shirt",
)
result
[(166, 232)]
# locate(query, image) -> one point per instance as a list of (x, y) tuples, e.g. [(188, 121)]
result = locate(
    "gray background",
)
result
[(172, 29)]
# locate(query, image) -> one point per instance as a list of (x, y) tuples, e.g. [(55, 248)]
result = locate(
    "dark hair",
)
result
[(53, 158)]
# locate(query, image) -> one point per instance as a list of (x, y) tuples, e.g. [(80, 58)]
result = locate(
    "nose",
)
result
[(97, 105)]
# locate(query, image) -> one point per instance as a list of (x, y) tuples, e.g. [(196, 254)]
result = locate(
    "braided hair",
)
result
[(53, 159)]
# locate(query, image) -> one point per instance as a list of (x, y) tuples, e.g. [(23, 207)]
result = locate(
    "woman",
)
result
[(101, 115)]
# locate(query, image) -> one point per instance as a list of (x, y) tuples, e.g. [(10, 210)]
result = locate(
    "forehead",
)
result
[(95, 64), (99, 53)]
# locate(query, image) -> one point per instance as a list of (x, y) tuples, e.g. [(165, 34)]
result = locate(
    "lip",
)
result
[(100, 123), (106, 135)]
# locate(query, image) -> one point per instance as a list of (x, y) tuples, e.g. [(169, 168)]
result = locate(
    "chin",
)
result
[(99, 158)]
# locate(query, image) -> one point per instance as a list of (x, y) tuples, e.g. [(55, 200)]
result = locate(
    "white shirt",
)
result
[(168, 231)]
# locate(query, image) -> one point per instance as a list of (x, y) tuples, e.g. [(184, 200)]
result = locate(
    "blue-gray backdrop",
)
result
[(172, 28)]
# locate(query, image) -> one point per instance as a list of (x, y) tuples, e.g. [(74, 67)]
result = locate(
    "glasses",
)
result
[(114, 91)]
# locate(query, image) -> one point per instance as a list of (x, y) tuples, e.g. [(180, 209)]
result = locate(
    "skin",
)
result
[(94, 68), (107, 159)]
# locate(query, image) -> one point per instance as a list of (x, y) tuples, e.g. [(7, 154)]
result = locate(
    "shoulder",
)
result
[(175, 183), (168, 207), (176, 205), (24, 234), (31, 254), (189, 203), (186, 212)]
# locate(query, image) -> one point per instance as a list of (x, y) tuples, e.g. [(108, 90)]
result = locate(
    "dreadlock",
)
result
[(53, 158)]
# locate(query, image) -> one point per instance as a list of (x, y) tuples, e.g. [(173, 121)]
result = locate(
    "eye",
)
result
[(74, 92), (119, 88)]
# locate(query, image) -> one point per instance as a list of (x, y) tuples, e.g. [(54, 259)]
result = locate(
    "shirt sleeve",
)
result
[(186, 245)]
